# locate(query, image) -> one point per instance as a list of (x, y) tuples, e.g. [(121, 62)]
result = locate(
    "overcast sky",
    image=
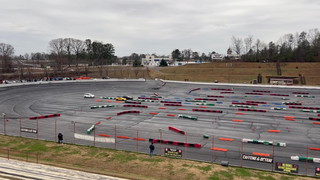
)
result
[(152, 26)]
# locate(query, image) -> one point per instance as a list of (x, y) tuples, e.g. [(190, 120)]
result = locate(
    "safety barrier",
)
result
[(314, 149), (260, 154), (307, 110), (309, 159), (239, 113), (250, 93), (318, 114), (127, 112), (90, 129), (108, 118), (175, 143), (187, 117), (172, 115), (139, 106), (182, 109), (192, 100), (256, 102), (148, 98), (264, 142), (274, 131), (221, 89), (219, 149), (122, 137), (176, 130), (314, 119), (205, 104), (261, 91), (318, 123), (104, 135), (250, 104), (101, 106), (278, 94), (226, 92), (139, 139), (206, 110), (98, 100), (45, 116), (205, 99), (113, 98), (171, 102), (300, 107), (133, 102), (252, 110), (225, 139), (307, 96), (153, 113), (194, 90), (237, 120), (300, 93), (291, 103), (215, 96), (242, 106), (277, 108), (145, 100)]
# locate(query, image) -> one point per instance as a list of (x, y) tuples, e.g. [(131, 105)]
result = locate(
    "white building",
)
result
[(151, 60)]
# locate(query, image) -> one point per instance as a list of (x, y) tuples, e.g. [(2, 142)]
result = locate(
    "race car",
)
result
[(128, 97), (121, 99), (88, 95)]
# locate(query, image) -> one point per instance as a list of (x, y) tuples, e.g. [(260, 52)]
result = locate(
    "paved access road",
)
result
[(298, 132)]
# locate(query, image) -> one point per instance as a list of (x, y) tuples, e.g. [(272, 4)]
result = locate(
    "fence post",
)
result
[(55, 130), (20, 127), (8, 154), (307, 162), (94, 137), (37, 129), (4, 123), (272, 156), (137, 140), (241, 152), (74, 132), (115, 136), (185, 147), (160, 130), (212, 146)]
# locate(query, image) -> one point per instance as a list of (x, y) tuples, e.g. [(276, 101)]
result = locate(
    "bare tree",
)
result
[(56, 47), (237, 44), (248, 43), (6, 51), (78, 47)]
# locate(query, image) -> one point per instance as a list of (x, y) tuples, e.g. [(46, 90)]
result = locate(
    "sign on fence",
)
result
[(317, 171), (290, 168), (29, 130), (256, 158), (176, 153)]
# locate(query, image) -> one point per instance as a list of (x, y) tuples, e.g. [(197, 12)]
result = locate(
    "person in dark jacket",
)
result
[(60, 138), (151, 147)]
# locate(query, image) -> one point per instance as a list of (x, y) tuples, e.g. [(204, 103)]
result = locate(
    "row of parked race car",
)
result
[(123, 98)]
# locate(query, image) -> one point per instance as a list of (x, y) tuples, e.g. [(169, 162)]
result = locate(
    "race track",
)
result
[(221, 131)]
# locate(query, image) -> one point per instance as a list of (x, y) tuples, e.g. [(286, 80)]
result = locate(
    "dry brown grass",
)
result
[(123, 164)]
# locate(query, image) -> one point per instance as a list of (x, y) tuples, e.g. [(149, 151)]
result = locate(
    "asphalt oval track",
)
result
[(298, 132)]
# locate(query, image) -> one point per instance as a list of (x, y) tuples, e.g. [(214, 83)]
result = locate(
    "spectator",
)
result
[(60, 138), (151, 147)]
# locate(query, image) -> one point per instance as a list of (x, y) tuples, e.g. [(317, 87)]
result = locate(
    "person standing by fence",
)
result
[(60, 138), (151, 147)]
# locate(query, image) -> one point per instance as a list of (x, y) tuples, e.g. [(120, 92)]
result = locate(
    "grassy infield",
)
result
[(141, 166)]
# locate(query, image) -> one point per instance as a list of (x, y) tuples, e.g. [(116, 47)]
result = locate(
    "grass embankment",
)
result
[(236, 72), (124, 164)]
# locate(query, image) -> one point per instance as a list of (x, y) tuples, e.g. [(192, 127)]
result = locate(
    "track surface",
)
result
[(299, 134)]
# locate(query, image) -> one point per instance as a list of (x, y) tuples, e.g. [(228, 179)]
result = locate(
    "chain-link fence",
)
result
[(236, 152)]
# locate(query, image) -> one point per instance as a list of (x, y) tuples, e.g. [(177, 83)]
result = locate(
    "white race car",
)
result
[(88, 95)]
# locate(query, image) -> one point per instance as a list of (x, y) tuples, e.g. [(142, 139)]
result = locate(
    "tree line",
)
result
[(297, 47)]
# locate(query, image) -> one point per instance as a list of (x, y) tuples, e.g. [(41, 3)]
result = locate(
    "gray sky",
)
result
[(152, 26)]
